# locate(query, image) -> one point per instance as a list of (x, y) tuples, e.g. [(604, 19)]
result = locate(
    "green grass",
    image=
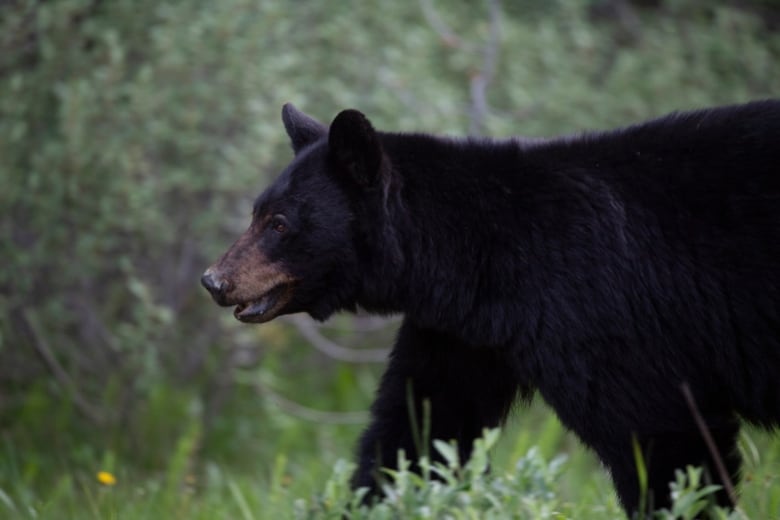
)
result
[(262, 463)]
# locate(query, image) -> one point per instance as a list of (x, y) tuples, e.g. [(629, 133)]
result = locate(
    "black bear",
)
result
[(607, 271)]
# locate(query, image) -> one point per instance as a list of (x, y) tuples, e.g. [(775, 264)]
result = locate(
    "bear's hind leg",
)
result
[(665, 453)]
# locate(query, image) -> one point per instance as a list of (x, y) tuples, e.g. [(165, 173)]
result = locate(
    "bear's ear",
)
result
[(354, 147), (302, 129)]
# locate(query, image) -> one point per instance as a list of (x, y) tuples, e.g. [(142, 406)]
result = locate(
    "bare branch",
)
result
[(62, 377), (309, 330), (310, 414), (705, 432), (447, 35), (363, 323), (481, 81)]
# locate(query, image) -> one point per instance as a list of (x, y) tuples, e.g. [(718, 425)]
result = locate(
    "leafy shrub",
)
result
[(134, 132), (469, 490)]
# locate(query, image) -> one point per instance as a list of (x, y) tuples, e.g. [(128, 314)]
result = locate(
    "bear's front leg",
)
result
[(468, 388)]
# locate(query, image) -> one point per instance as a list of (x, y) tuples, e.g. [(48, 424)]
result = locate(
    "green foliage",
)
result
[(463, 491), (470, 491), (458, 490), (531, 486), (641, 470), (133, 134), (691, 496)]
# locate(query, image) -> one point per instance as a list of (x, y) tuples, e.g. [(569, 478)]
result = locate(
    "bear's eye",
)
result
[(278, 224)]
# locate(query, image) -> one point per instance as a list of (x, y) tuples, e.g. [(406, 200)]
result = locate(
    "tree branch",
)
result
[(447, 35), (481, 81), (310, 414), (309, 330), (711, 446), (62, 377)]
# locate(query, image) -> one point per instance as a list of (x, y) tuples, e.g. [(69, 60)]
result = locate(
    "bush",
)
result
[(134, 132), (469, 490)]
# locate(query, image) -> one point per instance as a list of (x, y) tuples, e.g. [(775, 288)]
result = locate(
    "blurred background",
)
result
[(134, 135)]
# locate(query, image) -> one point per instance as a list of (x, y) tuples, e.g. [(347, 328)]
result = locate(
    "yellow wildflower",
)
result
[(106, 478)]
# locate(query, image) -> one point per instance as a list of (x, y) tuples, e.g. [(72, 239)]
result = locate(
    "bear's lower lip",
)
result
[(262, 309)]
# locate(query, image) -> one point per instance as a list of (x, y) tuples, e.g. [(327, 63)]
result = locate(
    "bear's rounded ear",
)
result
[(354, 147), (302, 129)]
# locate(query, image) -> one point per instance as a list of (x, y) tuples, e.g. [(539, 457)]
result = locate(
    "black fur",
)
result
[(602, 270)]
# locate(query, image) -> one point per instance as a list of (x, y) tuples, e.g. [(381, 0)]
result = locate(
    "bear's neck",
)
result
[(448, 234), (480, 239)]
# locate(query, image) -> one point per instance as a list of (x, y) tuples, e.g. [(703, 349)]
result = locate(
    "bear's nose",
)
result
[(216, 285)]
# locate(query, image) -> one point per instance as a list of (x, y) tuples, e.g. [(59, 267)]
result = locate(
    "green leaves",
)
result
[(134, 133), (460, 490), (470, 491)]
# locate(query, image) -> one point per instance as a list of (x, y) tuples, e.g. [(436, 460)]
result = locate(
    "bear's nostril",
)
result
[(212, 283)]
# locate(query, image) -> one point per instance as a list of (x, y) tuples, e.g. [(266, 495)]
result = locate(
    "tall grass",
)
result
[(538, 470)]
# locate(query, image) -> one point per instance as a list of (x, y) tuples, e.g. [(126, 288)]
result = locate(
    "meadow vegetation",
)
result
[(134, 135)]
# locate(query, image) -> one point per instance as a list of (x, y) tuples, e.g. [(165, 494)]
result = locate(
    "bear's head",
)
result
[(308, 235)]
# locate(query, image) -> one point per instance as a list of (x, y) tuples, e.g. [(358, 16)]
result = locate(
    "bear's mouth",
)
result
[(266, 307)]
